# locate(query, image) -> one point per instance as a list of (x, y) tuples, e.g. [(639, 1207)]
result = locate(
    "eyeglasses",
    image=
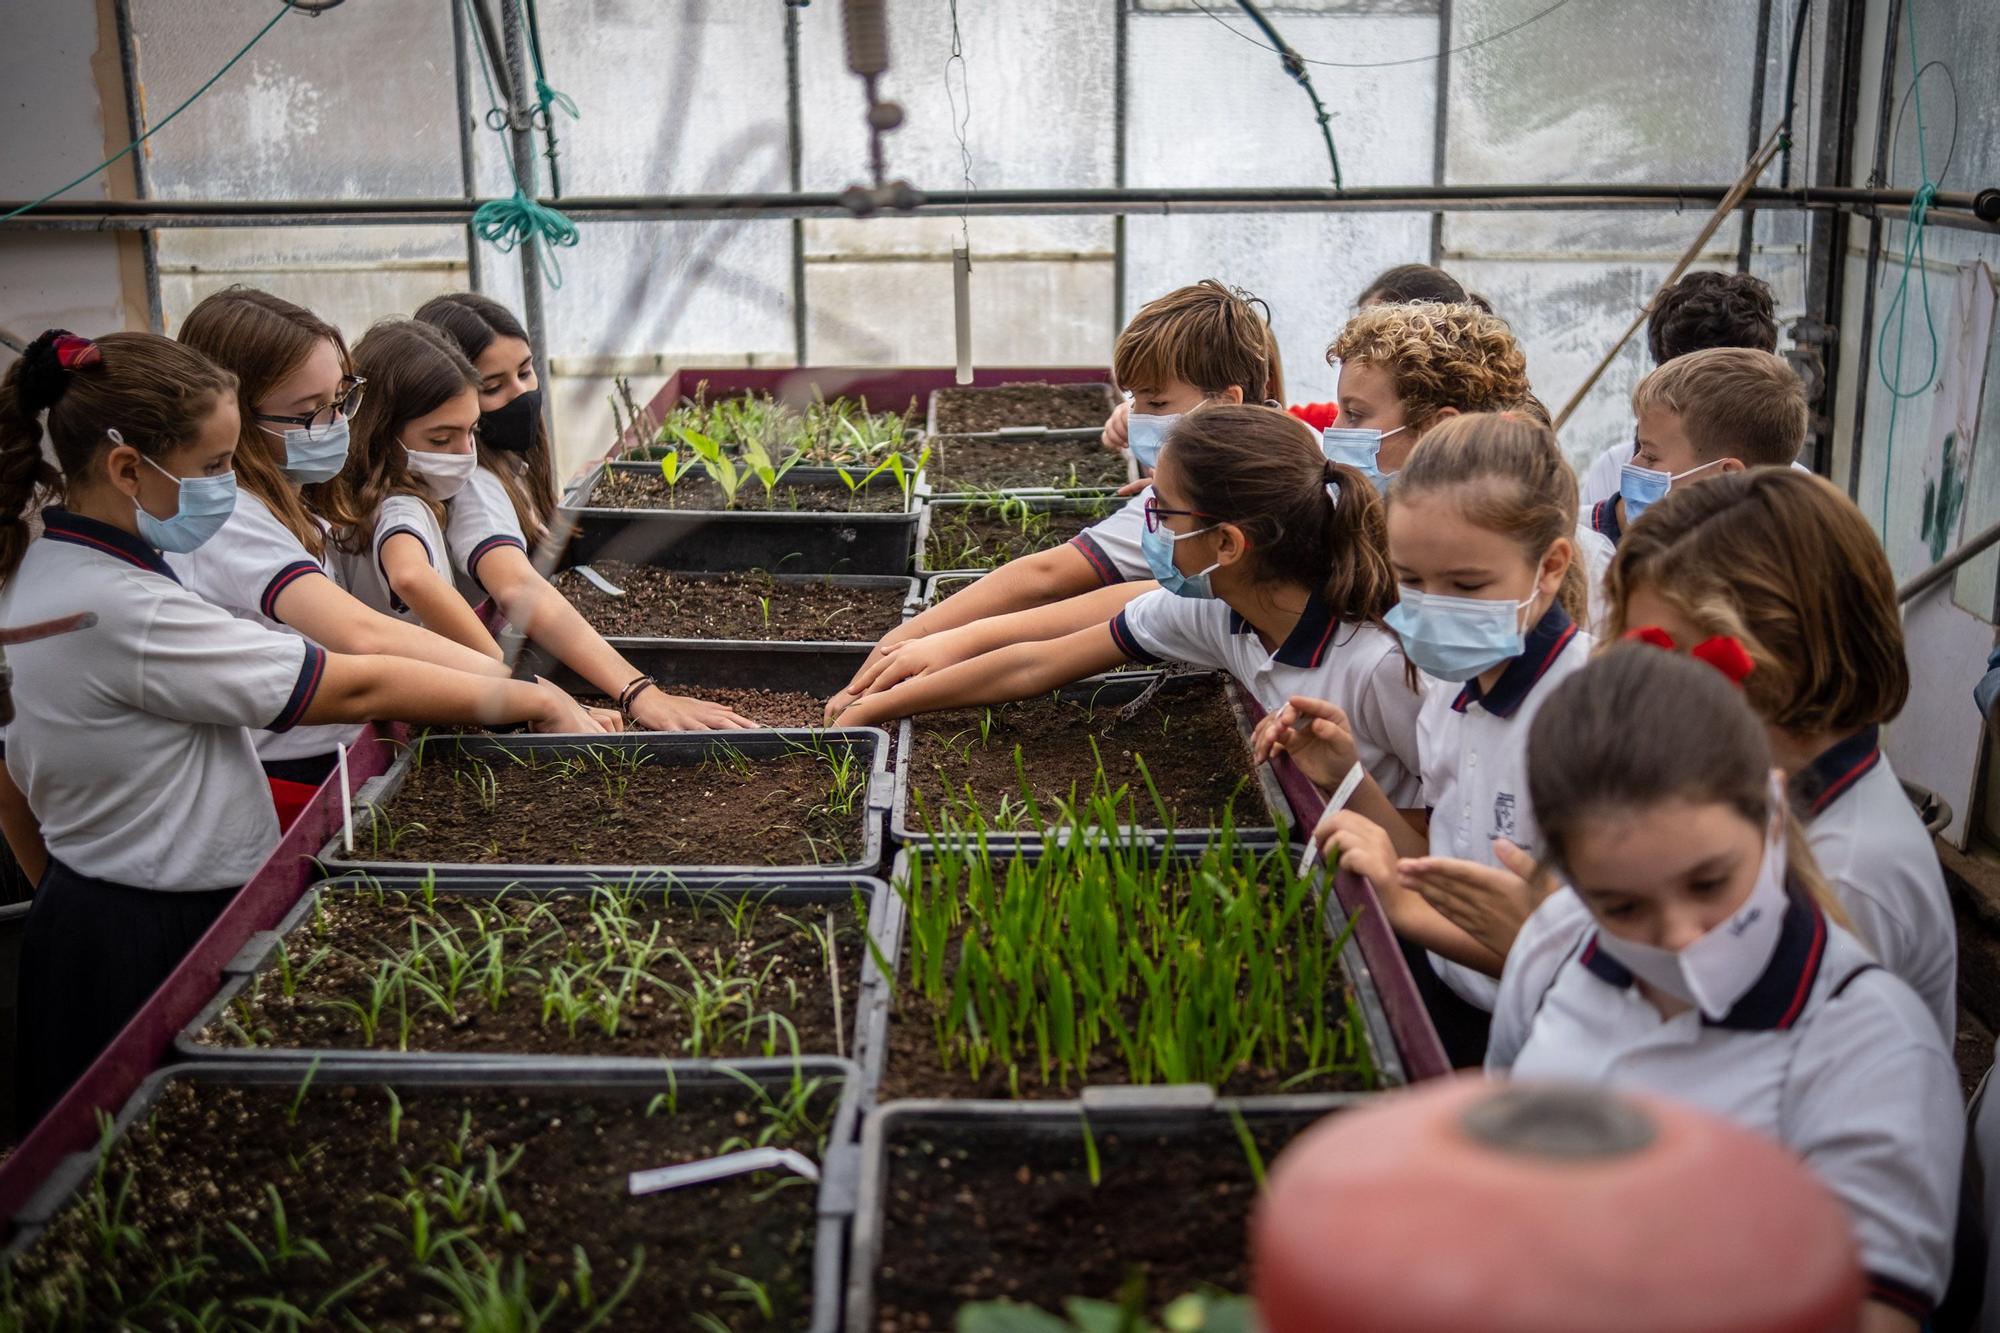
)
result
[(1155, 512), (345, 404)]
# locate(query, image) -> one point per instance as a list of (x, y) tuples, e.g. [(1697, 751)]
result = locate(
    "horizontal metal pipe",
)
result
[(1953, 209), (1975, 545)]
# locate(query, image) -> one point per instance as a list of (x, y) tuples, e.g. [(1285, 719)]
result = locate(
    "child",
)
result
[(1783, 563), (130, 738), (1701, 957), (1701, 416), (412, 452), (295, 397), (509, 503), (1270, 565), (1704, 309), (1408, 283), (1197, 345), (1480, 527)]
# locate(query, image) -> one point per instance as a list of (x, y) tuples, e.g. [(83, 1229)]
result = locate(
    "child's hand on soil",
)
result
[(607, 718), (854, 713), (913, 657), (561, 714), (1317, 736), (1359, 844), (1486, 902), (1115, 433), (656, 710)]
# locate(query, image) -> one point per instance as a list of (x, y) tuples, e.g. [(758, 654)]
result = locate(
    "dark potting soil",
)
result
[(661, 604), (1056, 406), (578, 812), (695, 491), (982, 1213), (352, 1186), (1185, 735), (977, 536), (788, 710), (965, 464), (776, 964)]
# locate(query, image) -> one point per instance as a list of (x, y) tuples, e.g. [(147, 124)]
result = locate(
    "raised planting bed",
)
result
[(743, 608), (531, 807), (239, 1196), (478, 970), (1050, 1204), (838, 432), (963, 535), (1015, 408), (644, 485), (730, 540), (1041, 463), (1096, 960), (1169, 756)]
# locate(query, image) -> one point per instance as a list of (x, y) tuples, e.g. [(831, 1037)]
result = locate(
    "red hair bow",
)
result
[(1724, 652), (74, 353)]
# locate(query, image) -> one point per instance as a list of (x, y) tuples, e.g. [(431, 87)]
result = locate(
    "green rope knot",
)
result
[(506, 223)]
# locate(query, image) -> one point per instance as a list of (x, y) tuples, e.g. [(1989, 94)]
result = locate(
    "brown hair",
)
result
[(1511, 478), (412, 370), (154, 392), (1437, 356), (1733, 402), (1261, 469), (1783, 561), (1637, 727), (262, 338), (1406, 283), (1207, 335), (1706, 309), (474, 321)]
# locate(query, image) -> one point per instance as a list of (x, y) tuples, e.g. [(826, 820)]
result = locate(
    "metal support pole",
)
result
[(1749, 238), (467, 157), (1439, 120), (135, 122), (795, 150), (522, 133), (1878, 169), (1832, 168), (1120, 90)]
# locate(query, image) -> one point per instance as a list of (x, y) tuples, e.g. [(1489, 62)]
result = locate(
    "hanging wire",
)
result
[(960, 122), (1536, 17), (546, 97), (1913, 257), (508, 223), (165, 121), (1295, 65)]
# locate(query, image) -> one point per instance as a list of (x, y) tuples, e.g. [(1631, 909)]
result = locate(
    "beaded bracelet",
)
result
[(630, 694)]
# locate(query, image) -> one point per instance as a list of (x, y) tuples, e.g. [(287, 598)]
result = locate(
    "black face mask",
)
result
[(511, 429)]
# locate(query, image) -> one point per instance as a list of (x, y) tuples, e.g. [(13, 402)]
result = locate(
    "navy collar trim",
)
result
[(1604, 519), (1777, 998), (1835, 770), (1544, 644), (1307, 644), (60, 525)]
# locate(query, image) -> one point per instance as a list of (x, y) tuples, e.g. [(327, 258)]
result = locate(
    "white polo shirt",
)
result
[(1114, 544), (129, 738), (1595, 550), (479, 519), (1358, 667), (1882, 865), (366, 578), (1474, 745), (242, 569), (1828, 1053)]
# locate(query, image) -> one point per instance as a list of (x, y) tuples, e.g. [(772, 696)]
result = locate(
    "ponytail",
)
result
[(154, 392), (1308, 520)]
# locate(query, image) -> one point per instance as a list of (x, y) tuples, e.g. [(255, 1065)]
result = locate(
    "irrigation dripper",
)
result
[(718, 1168)]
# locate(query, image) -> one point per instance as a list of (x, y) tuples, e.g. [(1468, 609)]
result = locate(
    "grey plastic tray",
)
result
[(837, 1169), (873, 1032), (1024, 431), (910, 588), (664, 747), (1187, 1111), (260, 953), (927, 489), (1113, 690), (690, 666), (1105, 504), (940, 586)]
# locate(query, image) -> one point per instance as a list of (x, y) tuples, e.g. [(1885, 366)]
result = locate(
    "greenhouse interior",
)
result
[(1128, 666)]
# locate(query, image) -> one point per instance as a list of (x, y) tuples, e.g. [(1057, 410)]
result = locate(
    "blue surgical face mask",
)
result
[(312, 456), (1359, 448), (1641, 487), (1456, 638), (1145, 435), (1158, 545), (205, 505)]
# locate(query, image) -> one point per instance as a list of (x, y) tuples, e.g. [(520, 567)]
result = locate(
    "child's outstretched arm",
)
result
[(1018, 671), (436, 603), (1320, 740)]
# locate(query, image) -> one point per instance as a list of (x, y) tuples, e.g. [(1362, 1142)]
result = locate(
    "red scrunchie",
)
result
[(1724, 652), (74, 353)]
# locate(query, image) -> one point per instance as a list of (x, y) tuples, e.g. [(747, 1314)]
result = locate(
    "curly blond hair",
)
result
[(1438, 356)]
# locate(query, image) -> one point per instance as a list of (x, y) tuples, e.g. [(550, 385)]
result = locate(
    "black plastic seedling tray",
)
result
[(662, 748), (734, 540), (786, 892), (940, 586), (555, 1077), (1103, 504), (928, 488), (1108, 691), (1020, 432), (912, 590), (1190, 1112), (872, 1032), (690, 666)]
